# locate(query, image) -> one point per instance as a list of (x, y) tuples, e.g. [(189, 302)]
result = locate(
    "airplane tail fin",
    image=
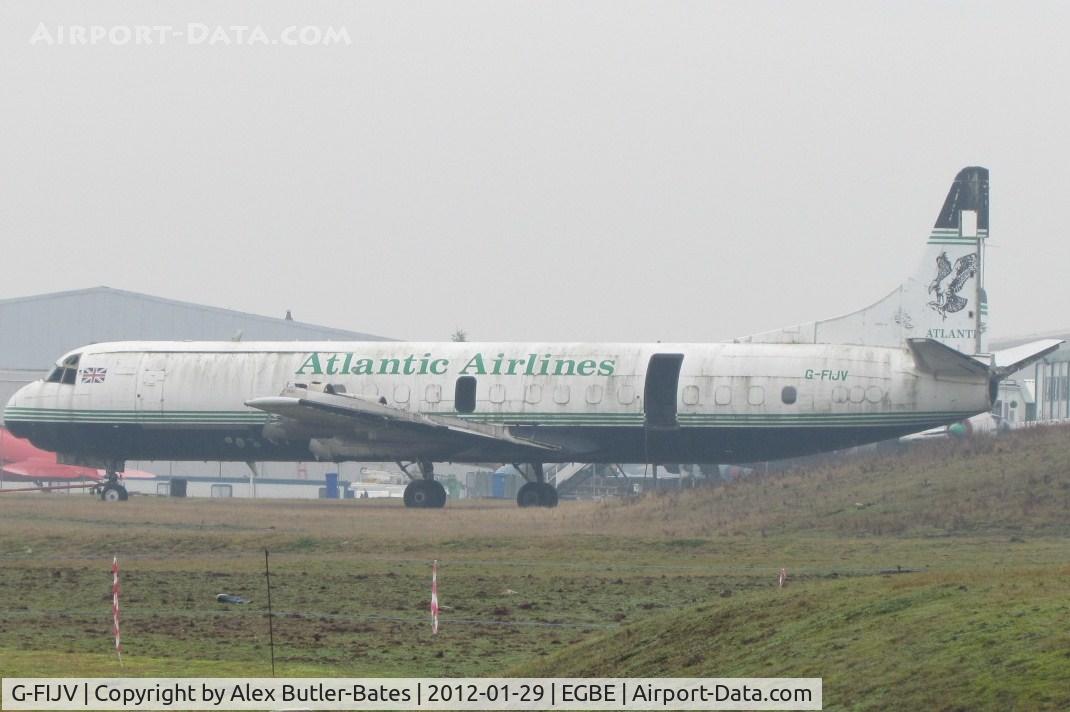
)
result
[(944, 300)]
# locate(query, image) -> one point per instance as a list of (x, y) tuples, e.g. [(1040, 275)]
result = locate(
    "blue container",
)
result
[(332, 485), (497, 484)]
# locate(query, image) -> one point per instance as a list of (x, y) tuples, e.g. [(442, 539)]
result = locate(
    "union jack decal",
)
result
[(94, 375)]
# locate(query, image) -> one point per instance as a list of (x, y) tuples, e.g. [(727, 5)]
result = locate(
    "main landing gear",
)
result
[(423, 492), (112, 491), (537, 492)]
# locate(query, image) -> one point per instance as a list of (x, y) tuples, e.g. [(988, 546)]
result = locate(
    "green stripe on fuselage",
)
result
[(737, 420)]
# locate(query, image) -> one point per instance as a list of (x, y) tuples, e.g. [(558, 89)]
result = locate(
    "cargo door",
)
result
[(151, 383)]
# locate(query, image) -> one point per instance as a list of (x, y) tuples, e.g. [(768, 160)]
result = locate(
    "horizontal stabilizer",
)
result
[(1008, 361), (940, 360)]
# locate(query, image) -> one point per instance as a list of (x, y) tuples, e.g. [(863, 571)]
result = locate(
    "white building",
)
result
[(1040, 391)]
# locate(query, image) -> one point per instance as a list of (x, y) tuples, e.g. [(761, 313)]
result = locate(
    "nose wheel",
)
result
[(112, 491)]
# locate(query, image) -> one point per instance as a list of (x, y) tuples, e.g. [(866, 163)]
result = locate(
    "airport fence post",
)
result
[(271, 627), (115, 608), (434, 597)]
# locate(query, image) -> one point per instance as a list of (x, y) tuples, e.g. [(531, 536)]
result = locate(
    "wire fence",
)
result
[(767, 569), (134, 614)]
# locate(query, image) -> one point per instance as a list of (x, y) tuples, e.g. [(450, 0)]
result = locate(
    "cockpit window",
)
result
[(67, 372)]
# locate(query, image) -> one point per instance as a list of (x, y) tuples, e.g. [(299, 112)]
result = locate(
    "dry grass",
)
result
[(982, 484), (1016, 482)]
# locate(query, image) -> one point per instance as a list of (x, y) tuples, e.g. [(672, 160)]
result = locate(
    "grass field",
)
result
[(680, 583)]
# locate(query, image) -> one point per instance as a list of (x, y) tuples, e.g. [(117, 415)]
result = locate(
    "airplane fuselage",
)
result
[(613, 402)]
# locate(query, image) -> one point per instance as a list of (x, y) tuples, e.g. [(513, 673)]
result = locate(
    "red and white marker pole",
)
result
[(115, 607), (434, 597)]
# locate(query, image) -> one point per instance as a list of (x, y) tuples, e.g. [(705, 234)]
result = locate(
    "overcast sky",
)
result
[(533, 171)]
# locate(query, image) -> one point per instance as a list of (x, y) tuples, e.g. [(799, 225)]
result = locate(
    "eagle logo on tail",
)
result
[(947, 300)]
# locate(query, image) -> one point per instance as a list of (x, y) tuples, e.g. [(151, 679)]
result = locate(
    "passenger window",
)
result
[(788, 395), (464, 395), (756, 395), (433, 393), (626, 395), (497, 393), (691, 395), (534, 393), (723, 395), (401, 393), (561, 395), (594, 394)]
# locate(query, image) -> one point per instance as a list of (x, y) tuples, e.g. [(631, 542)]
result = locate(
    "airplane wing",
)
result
[(20, 460), (43, 469), (325, 414)]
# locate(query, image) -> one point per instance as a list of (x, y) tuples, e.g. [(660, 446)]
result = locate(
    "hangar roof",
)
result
[(36, 330)]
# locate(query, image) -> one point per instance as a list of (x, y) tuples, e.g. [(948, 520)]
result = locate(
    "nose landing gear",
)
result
[(112, 491)]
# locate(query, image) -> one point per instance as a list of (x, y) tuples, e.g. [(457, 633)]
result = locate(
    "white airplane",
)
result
[(914, 360)]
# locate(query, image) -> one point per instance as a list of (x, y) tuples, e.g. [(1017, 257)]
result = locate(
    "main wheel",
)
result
[(416, 494), (425, 494), (547, 495), (528, 495), (113, 492), (536, 494), (440, 496)]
